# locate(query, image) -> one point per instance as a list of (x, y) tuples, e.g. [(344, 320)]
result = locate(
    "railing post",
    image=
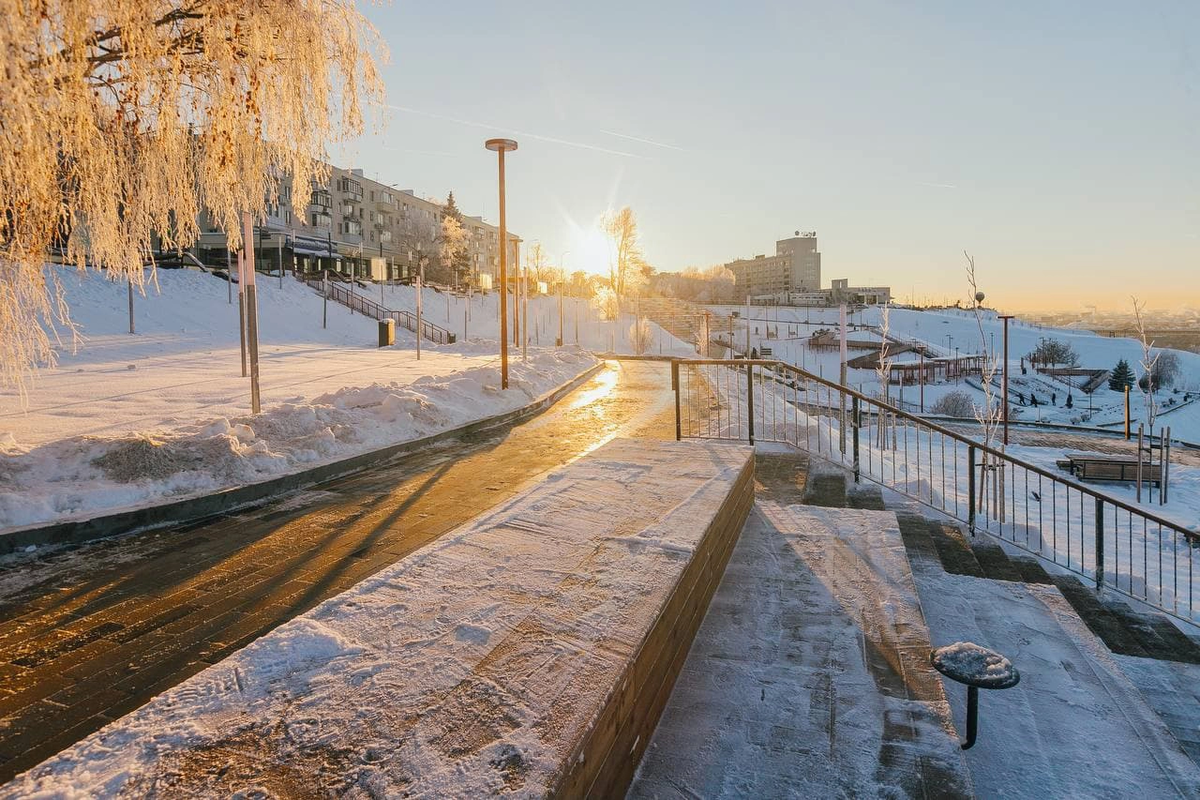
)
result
[(971, 488), (750, 397), (675, 387), (856, 424), (1099, 542)]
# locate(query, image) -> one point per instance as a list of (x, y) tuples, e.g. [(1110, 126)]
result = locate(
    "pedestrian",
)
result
[(1070, 401), (1053, 399), (1033, 399)]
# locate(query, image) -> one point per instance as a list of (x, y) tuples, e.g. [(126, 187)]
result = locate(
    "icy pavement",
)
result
[(474, 666), (810, 675)]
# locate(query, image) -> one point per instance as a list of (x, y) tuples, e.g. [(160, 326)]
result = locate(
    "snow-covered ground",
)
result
[(948, 330), (128, 420), (472, 667)]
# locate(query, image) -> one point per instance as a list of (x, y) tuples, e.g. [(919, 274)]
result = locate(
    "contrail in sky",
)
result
[(643, 141), (526, 134), (940, 185)]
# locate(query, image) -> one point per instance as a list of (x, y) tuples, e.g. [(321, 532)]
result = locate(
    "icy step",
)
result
[(1076, 725), (530, 651), (810, 676)]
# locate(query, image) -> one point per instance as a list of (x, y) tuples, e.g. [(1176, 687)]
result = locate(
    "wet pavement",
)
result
[(90, 633)]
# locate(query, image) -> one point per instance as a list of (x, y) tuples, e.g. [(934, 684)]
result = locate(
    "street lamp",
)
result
[(562, 277), (1004, 388), (500, 147)]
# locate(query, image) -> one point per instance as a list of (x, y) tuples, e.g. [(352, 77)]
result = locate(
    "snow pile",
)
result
[(474, 666), (82, 476), (967, 662)]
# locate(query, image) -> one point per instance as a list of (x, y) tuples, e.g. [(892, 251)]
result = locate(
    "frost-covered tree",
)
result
[(452, 250), (123, 118), (627, 269)]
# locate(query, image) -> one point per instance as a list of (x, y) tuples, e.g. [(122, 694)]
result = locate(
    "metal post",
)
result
[(229, 275), (922, 381), (675, 387), (1004, 392), (971, 488), (750, 398), (972, 716), (130, 282), (844, 332), (525, 314), (420, 276), (856, 421), (1164, 451), (251, 315), (1141, 429), (241, 265), (1099, 542), (325, 301), (1127, 433), (279, 258)]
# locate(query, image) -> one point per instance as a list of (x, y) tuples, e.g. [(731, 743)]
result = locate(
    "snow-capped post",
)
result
[(251, 312)]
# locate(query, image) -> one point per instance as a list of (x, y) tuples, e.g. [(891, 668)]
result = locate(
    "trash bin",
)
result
[(387, 332)]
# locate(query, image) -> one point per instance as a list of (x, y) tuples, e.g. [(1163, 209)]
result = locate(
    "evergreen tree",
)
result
[(451, 209), (1121, 377)]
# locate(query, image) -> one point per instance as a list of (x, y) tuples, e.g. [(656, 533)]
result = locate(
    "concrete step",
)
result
[(1079, 723), (810, 674)]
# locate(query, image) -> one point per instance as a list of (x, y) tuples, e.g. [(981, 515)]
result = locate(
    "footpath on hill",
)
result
[(94, 632)]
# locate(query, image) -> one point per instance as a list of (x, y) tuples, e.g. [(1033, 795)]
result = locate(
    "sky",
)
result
[(1058, 143)]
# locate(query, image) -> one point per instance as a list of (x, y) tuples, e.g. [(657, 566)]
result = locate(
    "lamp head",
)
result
[(501, 145)]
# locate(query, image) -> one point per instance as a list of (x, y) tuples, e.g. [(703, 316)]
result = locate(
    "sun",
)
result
[(593, 251)]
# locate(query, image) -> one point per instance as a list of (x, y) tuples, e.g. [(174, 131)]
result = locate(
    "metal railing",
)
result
[(1116, 544), (356, 301)]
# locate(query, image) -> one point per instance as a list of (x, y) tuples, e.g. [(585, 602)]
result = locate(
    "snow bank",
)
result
[(82, 476)]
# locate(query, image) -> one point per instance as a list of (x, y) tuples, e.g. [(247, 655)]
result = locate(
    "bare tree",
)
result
[(1149, 364), (626, 267), (122, 120), (990, 414)]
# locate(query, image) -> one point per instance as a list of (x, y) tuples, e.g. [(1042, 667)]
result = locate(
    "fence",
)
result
[(356, 301), (1115, 544)]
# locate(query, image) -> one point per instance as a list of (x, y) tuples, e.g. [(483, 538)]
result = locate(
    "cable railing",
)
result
[(1115, 544), (356, 301)]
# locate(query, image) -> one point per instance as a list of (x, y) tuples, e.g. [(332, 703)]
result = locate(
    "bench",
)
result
[(1115, 468)]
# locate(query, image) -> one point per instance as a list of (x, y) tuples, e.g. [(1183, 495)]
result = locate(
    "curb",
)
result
[(193, 509)]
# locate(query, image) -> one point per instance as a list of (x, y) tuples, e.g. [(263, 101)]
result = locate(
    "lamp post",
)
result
[(562, 276), (1004, 380), (500, 147)]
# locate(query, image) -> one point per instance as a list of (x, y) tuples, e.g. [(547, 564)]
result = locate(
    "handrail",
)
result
[(1083, 489), (367, 306)]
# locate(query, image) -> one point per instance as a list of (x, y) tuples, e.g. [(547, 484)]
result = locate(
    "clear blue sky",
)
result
[(1058, 142)]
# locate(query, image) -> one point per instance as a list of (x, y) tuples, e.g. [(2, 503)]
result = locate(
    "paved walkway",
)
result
[(1081, 442), (90, 634)]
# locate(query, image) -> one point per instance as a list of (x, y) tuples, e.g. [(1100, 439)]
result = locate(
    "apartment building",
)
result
[(360, 227), (795, 267)]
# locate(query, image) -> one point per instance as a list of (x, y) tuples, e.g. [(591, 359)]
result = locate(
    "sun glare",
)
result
[(592, 251)]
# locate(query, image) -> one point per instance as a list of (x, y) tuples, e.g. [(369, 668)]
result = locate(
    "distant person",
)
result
[(1033, 401), (753, 352), (1070, 401), (1021, 398), (1053, 399)]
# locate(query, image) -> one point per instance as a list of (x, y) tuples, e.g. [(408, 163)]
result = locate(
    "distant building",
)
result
[(795, 267), (360, 227)]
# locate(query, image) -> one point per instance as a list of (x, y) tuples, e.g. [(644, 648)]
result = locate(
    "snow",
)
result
[(967, 662), (1076, 725), (947, 329), (809, 676), (95, 437), (1149, 561), (471, 667)]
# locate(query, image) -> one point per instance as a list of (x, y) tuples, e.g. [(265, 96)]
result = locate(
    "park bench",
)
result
[(1116, 468)]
